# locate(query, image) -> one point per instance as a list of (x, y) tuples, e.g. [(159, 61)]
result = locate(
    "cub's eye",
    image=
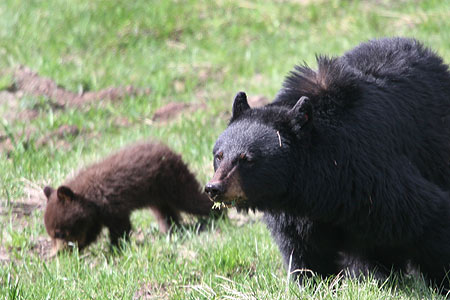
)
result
[(60, 235), (219, 156)]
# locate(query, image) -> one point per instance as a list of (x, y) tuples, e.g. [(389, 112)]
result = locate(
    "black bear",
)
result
[(105, 193), (350, 162)]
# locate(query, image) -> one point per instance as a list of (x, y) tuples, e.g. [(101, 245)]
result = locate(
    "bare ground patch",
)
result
[(172, 110), (34, 199), (30, 82), (10, 103), (43, 247), (150, 291), (60, 135), (203, 71), (27, 82), (19, 209), (4, 256), (26, 138), (18, 212)]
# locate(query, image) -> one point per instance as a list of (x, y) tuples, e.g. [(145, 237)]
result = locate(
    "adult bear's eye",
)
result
[(219, 156), (246, 157)]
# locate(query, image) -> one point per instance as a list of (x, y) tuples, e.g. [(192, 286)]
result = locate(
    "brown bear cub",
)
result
[(105, 194)]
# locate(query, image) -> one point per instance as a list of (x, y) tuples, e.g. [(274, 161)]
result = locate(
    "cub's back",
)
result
[(130, 171)]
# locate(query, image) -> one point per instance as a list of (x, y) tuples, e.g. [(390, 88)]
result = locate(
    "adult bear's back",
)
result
[(419, 77), (393, 90), (392, 59)]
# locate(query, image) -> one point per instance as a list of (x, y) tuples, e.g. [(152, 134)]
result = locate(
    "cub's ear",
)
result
[(302, 113), (48, 190), (240, 105), (65, 193)]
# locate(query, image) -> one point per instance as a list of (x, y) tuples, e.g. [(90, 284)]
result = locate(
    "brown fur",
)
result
[(105, 194)]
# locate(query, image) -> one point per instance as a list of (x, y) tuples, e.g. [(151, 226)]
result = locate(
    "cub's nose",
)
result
[(214, 189)]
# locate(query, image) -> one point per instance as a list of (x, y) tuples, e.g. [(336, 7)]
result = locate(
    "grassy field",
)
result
[(196, 53)]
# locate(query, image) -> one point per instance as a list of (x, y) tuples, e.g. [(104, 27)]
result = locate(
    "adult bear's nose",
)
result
[(214, 189)]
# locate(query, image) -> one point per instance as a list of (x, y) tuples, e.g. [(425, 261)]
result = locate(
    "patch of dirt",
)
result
[(5, 145), (301, 2), (179, 86), (187, 255), (209, 73), (59, 136), (4, 256), (150, 291), (170, 111), (10, 103), (43, 247), (203, 71), (20, 209), (29, 82), (34, 200), (122, 122), (175, 44)]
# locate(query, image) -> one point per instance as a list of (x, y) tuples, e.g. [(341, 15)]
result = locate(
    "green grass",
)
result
[(184, 51)]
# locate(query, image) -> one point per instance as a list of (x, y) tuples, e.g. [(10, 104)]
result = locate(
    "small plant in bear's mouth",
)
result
[(227, 204), (219, 205)]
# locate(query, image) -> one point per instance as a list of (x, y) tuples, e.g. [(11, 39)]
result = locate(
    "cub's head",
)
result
[(69, 218), (254, 157)]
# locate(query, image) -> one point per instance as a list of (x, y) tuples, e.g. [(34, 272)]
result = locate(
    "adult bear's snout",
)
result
[(214, 189)]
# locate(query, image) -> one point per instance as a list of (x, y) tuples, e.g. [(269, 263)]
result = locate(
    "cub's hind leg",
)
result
[(166, 216)]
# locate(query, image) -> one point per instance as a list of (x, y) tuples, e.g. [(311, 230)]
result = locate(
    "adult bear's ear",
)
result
[(48, 191), (301, 114), (240, 105), (64, 193)]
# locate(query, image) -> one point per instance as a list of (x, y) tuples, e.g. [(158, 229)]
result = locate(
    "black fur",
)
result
[(369, 179)]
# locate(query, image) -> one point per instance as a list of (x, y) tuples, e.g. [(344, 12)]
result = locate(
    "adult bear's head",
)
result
[(257, 156)]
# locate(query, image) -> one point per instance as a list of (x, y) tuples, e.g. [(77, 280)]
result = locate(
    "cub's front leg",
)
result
[(119, 227)]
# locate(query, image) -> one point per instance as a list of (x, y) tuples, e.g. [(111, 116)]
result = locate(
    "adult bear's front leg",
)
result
[(308, 247)]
